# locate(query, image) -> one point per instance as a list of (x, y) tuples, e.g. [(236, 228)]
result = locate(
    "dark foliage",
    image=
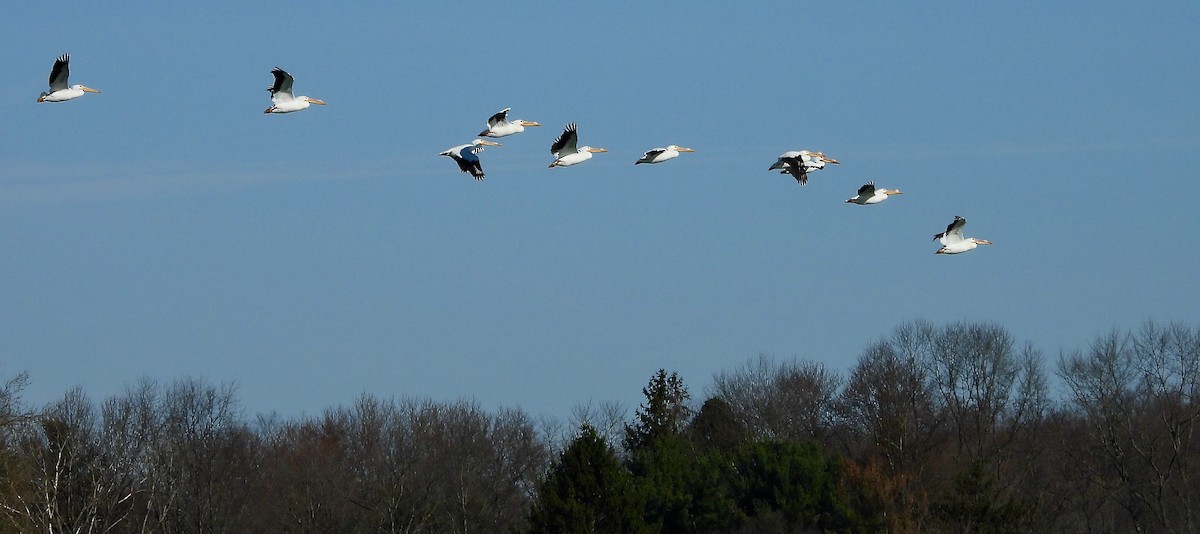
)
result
[(933, 429)]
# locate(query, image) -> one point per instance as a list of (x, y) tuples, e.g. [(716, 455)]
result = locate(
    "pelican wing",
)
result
[(498, 118), (463, 164), (867, 190), (466, 158), (566, 143), (58, 74), (469, 165), (954, 231), (651, 154), (796, 168), (282, 88)]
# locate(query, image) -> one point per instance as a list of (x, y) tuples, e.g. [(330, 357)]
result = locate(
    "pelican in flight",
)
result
[(799, 163), (467, 156), (59, 90), (500, 126), (659, 155), (565, 152), (869, 194), (953, 241), (282, 100)]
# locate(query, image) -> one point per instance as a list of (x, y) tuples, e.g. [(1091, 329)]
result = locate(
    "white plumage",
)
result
[(659, 155), (869, 194), (799, 163), (282, 100), (953, 241), (59, 90), (565, 150), (500, 126)]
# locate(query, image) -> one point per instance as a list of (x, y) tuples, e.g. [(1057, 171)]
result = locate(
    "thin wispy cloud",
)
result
[(32, 186)]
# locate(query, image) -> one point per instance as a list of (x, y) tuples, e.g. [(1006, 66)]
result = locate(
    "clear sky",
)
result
[(167, 228)]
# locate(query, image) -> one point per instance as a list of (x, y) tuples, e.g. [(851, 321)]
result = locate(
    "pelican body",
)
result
[(500, 126), (467, 156), (282, 100), (953, 241), (869, 194), (659, 155), (799, 163), (59, 90), (565, 150)]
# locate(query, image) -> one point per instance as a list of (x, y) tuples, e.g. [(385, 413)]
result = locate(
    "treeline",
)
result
[(947, 428)]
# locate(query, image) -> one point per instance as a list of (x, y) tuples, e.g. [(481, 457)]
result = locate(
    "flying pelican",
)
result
[(281, 95), (868, 194), (565, 152), (59, 91), (500, 126), (467, 156), (659, 155), (799, 163), (953, 241)]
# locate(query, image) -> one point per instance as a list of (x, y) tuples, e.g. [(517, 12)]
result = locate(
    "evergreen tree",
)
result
[(716, 428), (790, 485), (587, 490), (662, 461), (664, 414)]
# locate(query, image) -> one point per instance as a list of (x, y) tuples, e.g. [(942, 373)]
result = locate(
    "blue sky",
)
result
[(167, 228)]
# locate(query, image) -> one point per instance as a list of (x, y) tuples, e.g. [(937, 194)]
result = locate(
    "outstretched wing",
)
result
[(58, 74), (867, 190), (954, 231), (498, 118), (283, 83), (567, 142)]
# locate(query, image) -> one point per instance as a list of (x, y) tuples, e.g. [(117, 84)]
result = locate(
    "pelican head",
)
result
[(485, 142), (84, 88), (527, 123), (981, 241), (678, 148), (312, 100), (592, 149)]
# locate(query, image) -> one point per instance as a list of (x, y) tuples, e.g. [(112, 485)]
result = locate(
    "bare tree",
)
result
[(405, 466), (12, 410), (954, 411), (889, 404), (16, 472), (73, 484), (989, 391), (606, 418), (1140, 396), (789, 400)]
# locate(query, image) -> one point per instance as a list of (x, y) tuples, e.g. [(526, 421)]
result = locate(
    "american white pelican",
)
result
[(869, 194), (467, 156), (281, 95), (500, 126), (799, 163), (953, 241), (565, 152), (59, 90), (659, 155)]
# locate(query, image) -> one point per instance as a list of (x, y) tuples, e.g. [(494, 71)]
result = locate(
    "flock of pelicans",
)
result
[(565, 148)]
